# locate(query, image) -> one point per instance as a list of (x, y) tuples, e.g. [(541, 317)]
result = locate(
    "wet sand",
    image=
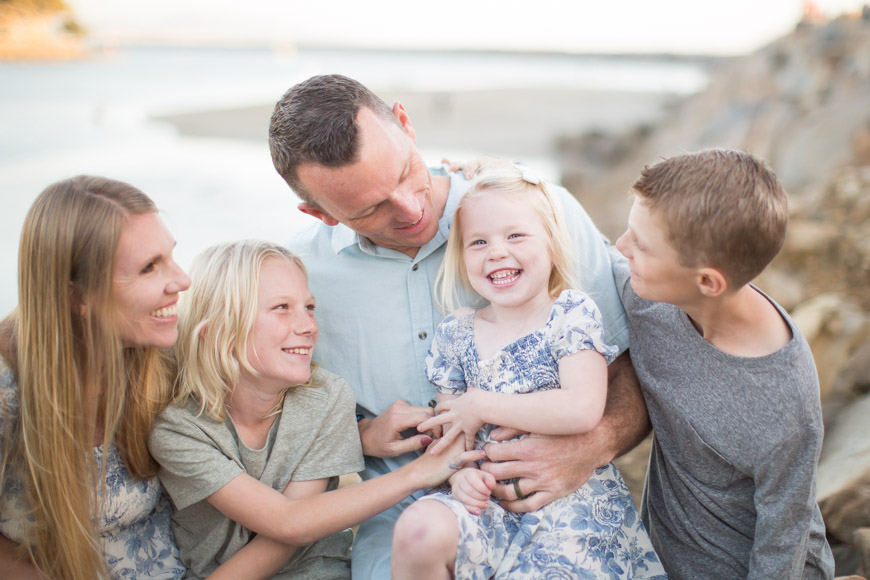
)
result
[(513, 123)]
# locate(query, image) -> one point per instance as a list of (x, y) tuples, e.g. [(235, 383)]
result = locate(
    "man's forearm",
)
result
[(625, 420)]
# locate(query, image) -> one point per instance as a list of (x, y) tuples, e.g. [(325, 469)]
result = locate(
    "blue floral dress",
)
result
[(595, 532), (134, 525)]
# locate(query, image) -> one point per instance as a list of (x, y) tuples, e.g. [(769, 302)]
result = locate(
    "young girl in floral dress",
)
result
[(533, 359)]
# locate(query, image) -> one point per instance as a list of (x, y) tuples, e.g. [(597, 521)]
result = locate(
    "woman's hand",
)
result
[(382, 436), (432, 469)]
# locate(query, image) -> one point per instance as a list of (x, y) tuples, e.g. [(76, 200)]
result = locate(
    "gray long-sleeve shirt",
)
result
[(730, 490)]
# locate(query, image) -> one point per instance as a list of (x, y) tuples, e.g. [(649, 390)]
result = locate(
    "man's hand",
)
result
[(552, 466), (473, 488), (548, 467), (382, 436)]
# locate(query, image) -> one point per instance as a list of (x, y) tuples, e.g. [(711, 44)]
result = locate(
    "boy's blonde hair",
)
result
[(216, 318), (516, 183), (722, 209)]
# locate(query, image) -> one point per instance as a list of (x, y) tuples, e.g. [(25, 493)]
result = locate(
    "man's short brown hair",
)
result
[(723, 209), (315, 122)]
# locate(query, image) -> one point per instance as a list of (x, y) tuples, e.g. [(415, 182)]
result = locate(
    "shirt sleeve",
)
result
[(576, 325), (444, 361), (785, 503), (594, 268), (336, 450), (193, 462)]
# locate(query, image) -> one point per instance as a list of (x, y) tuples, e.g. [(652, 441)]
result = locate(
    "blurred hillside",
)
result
[(803, 104), (38, 30)]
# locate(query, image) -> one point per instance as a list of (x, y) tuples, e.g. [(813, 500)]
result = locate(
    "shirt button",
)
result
[(415, 266), (422, 334)]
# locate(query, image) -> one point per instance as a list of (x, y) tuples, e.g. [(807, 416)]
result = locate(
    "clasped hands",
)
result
[(547, 466)]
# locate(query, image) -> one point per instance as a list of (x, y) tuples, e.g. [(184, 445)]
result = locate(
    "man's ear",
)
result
[(711, 282), (317, 213), (404, 120)]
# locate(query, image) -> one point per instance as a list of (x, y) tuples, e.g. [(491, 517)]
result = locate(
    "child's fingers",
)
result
[(432, 423), (445, 441), (469, 440), (481, 490)]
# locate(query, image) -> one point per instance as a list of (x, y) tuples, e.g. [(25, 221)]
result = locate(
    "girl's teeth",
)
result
[(298, 350), (504, 276)]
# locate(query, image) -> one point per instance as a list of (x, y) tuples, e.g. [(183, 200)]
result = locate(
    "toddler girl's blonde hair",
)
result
[(518, 183)]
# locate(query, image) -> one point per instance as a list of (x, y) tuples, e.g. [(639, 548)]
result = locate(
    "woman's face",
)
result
[(146, 283)]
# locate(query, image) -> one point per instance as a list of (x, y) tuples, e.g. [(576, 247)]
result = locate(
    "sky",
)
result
[(605, 26)]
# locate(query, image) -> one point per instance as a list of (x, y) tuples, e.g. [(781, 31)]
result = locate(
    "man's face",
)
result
[(386, 195)]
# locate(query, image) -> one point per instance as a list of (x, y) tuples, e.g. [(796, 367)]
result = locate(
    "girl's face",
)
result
[(506, 250), (146, 282), (284, 333)]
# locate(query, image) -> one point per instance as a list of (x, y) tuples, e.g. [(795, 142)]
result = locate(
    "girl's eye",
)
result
[(148, 268), (477, 243), (515, 236), (310, 308), (281, 307)]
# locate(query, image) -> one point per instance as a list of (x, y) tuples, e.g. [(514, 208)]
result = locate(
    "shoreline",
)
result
[(512, 123)]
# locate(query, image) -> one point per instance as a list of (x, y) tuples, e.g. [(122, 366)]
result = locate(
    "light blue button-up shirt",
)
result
[(377, 316)]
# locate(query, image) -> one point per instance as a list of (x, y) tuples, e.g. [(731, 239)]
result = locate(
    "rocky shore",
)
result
[(39, 30), (803, 104)]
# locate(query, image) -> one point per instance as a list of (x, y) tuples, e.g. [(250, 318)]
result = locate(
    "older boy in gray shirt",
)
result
[(729, 381)]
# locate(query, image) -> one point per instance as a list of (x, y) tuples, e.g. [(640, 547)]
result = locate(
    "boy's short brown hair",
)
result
[(723, 209)]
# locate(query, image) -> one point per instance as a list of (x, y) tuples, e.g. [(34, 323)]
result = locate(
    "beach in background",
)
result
[(188, 125)]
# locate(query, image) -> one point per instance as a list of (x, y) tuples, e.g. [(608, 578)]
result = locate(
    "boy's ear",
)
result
[(317, 213), (711, 282)]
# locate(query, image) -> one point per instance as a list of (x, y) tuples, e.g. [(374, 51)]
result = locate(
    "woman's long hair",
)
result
[(75, 379)]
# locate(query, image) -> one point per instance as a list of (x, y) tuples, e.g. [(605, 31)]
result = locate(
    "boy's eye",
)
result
[(311, 308)]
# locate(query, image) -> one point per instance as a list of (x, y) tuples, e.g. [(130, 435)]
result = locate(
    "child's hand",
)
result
[(471, 168), (460, 414), (432, 469), (472, 487)]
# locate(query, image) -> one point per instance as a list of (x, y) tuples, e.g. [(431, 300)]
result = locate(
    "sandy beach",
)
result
[(513, 123)]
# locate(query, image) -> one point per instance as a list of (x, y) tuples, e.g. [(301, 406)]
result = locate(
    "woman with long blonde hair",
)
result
[(82, 375)]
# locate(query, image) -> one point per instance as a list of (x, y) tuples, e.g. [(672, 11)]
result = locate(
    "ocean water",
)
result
[(97, 116)]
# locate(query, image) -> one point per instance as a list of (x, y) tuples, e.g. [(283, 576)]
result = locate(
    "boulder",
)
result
[(835, 326), (843, 485)]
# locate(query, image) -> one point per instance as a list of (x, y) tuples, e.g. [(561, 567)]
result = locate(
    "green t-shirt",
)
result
[(314, 437)]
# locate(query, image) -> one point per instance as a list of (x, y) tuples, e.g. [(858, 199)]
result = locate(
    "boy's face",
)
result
[(656, 271)]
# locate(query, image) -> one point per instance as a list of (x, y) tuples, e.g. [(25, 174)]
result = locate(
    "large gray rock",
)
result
[(843, 486)]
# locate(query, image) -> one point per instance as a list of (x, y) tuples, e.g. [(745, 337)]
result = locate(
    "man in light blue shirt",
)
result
[(372, 258)]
